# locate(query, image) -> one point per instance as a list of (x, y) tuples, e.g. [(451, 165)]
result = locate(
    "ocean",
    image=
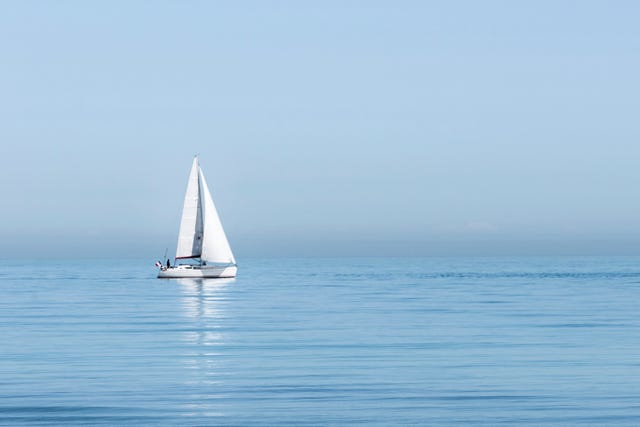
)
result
[(323, 342)]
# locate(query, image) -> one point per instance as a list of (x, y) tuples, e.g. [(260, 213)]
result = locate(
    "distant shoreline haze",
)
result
[(153, 247)]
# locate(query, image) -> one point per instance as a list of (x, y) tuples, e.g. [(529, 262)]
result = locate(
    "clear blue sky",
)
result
[(332, 127)]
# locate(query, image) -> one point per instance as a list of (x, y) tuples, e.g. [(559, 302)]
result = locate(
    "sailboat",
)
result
[(203, 249)]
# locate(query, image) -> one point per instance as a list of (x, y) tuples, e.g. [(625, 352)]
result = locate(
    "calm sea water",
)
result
[(450, 341)]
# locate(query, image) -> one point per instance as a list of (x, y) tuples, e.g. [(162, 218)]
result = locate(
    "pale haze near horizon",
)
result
[(338, 128)]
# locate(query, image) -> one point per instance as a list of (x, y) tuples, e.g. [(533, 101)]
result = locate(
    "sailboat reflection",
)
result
[(203, 301)]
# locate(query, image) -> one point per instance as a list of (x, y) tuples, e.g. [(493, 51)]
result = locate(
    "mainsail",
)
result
[(201, 233), (191, 229)]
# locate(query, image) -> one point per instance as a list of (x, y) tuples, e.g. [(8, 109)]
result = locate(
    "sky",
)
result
[(332, 128)]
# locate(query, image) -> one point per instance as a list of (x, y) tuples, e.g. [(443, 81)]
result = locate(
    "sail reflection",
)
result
[(203, 302)]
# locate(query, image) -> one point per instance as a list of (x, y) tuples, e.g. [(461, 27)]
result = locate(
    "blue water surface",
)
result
[(327, 342)]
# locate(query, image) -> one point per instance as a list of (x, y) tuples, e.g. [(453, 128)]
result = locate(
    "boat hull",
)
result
[(206, 272)]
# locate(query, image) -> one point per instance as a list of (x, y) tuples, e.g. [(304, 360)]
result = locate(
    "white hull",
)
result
[(197, 271)]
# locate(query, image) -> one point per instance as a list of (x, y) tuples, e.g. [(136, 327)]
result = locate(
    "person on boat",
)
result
[(168, 263)]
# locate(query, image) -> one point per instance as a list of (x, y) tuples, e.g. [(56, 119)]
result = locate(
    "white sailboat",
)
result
[(203, 249)]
